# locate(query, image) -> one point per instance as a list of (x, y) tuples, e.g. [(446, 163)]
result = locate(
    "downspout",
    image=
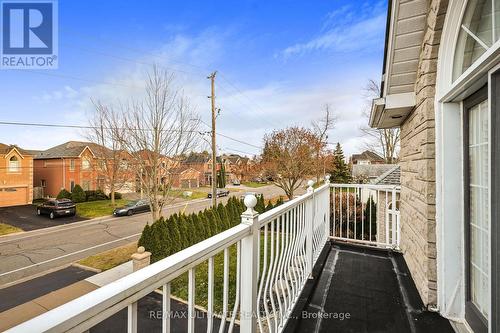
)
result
[(63, 174)]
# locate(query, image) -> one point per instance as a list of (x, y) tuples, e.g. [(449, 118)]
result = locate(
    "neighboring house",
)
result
[(441, 86), (166, 164), (64, 166), (237, 167), (367, 157), (199, 162), (16, 176), (368, 173), (185, 177), (76, 162)]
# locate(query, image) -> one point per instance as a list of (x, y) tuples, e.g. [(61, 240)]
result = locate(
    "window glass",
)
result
[(478, 32), (85, 164), (14, 164), (479, 206)]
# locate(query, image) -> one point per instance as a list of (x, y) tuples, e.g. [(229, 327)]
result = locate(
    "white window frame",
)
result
[(449, 162), (14, 167), (85, 164)]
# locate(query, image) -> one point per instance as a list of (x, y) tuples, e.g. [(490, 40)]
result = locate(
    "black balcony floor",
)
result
[(357, 289)]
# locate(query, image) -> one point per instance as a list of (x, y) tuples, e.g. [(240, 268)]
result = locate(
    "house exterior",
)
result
[(367, 157), (64, 166), (369, 173), (81, 163), (185, 177), (237, 167), (441, 87), (16, 176), (200, 162)]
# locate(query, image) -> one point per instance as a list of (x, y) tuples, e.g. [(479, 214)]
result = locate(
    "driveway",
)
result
[(25, 218)]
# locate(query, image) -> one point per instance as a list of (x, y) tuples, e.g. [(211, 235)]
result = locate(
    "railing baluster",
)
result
[(355, 220), (191, 299), (261, 297), (244, 326), (340, 211), (210, 303), (386, 216), (334, 211), (132, 318), (362, 214), (267, 288), (225, 290), (393, 219), (165, 318), (370, 201)]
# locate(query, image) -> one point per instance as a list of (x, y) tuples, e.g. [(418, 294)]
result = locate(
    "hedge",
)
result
[(177, 232)]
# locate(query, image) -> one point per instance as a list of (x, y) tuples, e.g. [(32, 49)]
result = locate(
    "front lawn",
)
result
[(194, 194), (8, 229), (253, 184), (92, 209)]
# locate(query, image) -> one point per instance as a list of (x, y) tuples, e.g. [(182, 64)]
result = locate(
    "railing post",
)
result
[(327, 224), (393, 219), (249, 268), (309, 229)]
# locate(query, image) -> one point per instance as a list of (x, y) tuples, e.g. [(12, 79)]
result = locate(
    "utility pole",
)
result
[(214, 147)]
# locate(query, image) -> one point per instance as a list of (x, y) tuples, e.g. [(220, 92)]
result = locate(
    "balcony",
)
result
[(325, 261)]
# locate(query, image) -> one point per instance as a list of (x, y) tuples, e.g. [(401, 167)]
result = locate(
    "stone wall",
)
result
[(418, 176)]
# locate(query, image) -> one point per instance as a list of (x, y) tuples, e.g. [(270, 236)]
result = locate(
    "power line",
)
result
[(233, 139), (89, 127)]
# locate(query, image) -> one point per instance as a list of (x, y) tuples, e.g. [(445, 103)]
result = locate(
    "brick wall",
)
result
[(418, 193)]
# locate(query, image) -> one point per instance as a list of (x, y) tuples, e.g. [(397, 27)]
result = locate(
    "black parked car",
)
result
[(136, 206), (220, 193), (57, 207)]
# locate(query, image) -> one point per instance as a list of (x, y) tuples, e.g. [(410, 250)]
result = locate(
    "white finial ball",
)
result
[(250, 201), (141, 249), (327, 177), (310, 183)]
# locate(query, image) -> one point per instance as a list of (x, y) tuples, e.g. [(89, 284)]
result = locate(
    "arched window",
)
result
[(85, 164), (14, 165), (479, 30)]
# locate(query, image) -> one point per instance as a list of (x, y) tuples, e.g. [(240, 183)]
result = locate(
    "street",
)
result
[(33, 253)]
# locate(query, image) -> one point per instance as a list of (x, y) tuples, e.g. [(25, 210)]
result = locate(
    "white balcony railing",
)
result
[(288, 238), (274, 253), (366, 214)]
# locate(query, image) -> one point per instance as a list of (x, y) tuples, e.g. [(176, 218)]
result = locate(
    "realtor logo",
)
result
[(29, 34)]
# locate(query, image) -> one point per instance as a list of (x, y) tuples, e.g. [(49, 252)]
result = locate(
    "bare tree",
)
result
[(320, 129), (106, 132), (384, 141), (288, 157), (157, 130)]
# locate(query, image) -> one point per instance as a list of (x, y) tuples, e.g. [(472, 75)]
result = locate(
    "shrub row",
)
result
[(179, 231), (79, 195)]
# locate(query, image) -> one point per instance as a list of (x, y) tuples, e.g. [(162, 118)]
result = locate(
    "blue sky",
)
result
[(279, 63)]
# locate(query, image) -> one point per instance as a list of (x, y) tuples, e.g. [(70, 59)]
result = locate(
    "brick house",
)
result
[(185, 177), (16, 176), (441, 87), (72, 163)]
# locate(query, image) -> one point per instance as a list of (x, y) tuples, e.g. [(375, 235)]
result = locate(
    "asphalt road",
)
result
[(30, 254)]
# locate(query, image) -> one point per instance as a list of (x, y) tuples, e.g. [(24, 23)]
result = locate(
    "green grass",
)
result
[(194, 194), (8, 229), (253, 184), (92, 209), (179, 286), (112, 258)]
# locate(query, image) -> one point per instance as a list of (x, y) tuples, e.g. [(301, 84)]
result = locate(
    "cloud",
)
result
[(345, 29)]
